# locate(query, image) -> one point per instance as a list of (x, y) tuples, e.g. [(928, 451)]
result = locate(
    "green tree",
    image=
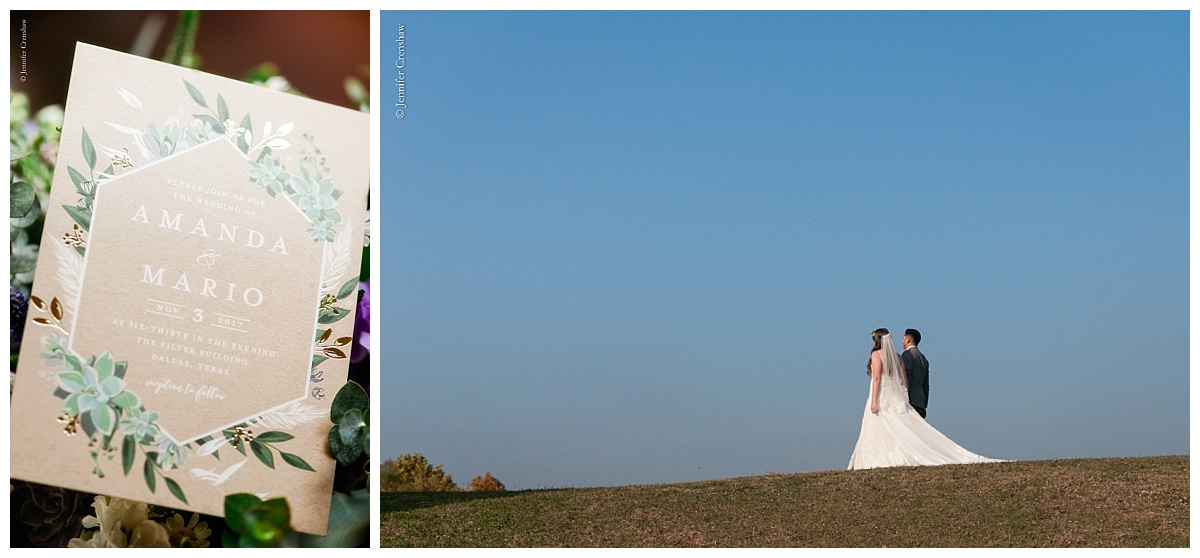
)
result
[(486, 483), (413, 473)]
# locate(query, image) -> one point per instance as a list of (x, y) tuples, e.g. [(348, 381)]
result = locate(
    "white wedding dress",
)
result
[(898, 435)]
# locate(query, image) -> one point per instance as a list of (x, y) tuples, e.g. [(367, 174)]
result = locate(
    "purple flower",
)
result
[(18, 306), (362, 325)]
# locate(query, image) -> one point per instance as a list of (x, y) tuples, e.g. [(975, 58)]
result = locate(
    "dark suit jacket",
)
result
[(917, 369)]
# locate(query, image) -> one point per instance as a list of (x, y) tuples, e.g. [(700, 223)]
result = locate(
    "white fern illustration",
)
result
[(211, 475), (129, 98), (70, 276), (334, 262), (211, 446), (289, 416), (139, 140)]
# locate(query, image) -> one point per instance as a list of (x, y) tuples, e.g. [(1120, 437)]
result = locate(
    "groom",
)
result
[(917, 370)]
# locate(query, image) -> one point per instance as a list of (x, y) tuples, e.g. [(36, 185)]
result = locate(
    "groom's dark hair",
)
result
[(916, 335)]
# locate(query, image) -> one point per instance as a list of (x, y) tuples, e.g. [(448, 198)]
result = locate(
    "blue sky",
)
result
[(646, 247)]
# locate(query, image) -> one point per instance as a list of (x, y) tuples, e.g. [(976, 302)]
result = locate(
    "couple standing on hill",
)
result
[(894, 431)]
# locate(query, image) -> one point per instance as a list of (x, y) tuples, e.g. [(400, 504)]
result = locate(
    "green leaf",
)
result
[(195, 93), (73, 363), (89, 151), (263, 453), (222, 109), (104, 418), (350, 396), (111, 387), (21, 199), (22, 260), (128, 450), (347, 288), (148, 471), (175, 489), (318, 359), (349, 521), (236, 506), (364, 438), (104, 365), (72, 381), (345, 453), (71, 404), (327, 316), (119, 368), (126, 400), (80, 215), (77, 178), (269, 524), (350, 426), (273, 436), (296, 461)]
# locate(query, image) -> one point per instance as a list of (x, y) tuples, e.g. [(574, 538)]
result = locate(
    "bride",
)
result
[(892, 432)]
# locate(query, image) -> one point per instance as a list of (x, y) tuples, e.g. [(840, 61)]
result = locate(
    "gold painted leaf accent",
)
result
[(325, 337), (41, 321), (343, 340), (56, 308), (334, 353), (41, 305)]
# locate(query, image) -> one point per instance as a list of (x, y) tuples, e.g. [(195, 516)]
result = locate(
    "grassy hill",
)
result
[(1113, 502)]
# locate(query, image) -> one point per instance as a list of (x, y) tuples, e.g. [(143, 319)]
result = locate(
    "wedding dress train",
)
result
[(899, 436)]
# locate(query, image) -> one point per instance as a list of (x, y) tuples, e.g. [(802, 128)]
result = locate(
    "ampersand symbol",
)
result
[(208, 258)]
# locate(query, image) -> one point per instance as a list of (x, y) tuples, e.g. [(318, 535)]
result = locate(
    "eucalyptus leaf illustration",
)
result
[(296, 461), (128, 453), (348, 288), (262, 453), (89, 150), (195, 93), (175, 489), (331, 315)]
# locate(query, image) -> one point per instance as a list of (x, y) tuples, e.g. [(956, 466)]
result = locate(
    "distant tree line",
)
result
[(411, 472)]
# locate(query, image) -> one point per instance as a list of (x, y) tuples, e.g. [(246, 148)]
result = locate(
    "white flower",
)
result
[(190, 535), (233, 131), (122, 524)]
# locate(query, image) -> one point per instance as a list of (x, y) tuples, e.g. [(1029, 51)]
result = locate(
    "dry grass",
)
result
[(1115, 502)]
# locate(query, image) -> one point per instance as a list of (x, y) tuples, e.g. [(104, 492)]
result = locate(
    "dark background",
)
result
[(315, 50)]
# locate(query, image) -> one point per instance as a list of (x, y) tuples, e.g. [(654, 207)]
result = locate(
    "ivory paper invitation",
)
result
[(191, 315)]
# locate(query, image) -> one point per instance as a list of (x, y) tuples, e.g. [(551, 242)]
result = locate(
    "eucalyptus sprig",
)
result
[(350, 436)]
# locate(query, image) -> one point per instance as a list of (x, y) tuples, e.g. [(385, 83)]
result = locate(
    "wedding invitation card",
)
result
[(191, 315)]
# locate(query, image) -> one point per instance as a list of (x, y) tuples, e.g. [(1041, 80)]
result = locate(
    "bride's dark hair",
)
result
[(877, 335)]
